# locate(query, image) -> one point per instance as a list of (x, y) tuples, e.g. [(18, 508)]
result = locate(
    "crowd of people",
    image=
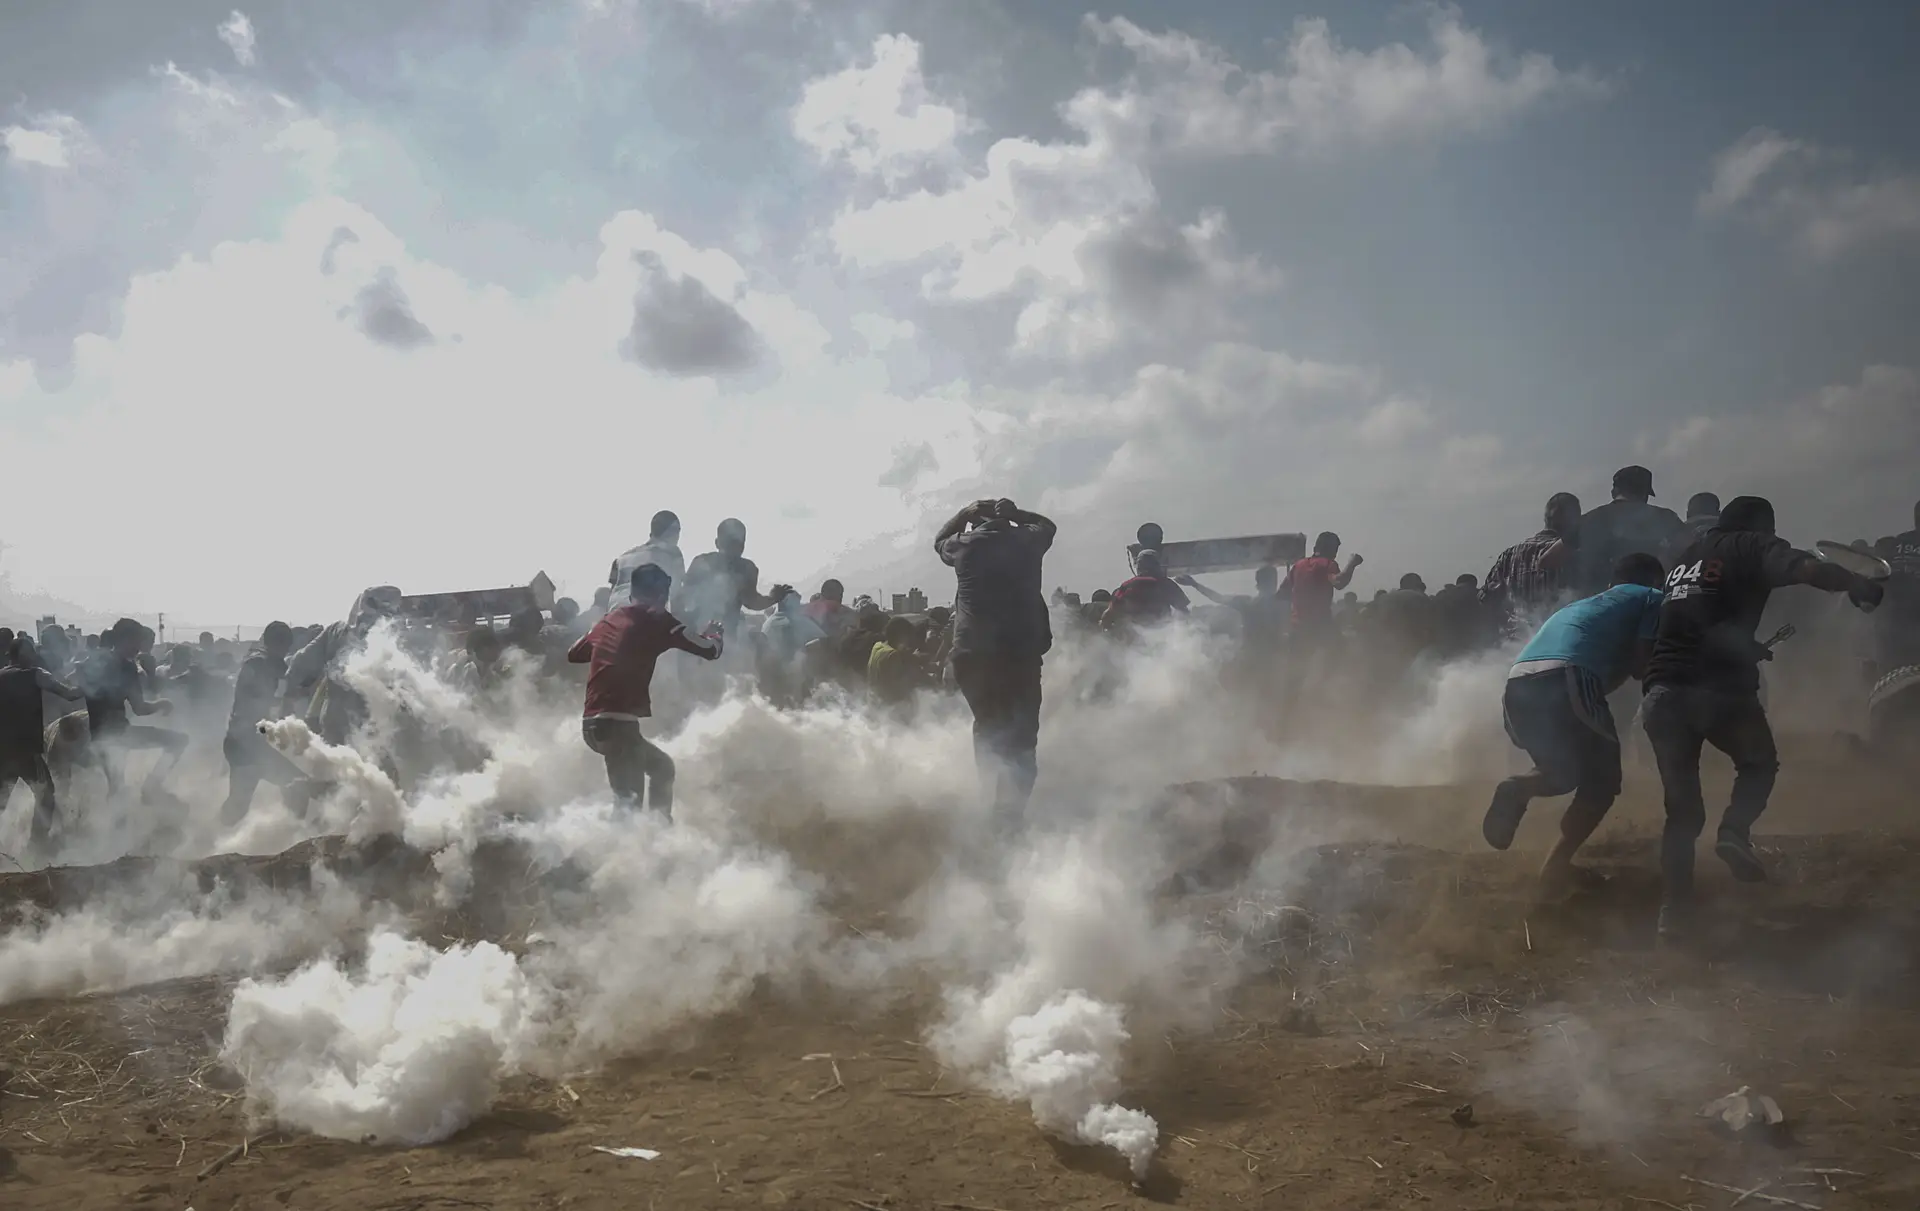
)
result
[(1626, 590)]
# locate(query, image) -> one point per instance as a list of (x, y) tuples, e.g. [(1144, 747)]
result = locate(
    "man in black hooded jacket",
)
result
[(1703, 686)]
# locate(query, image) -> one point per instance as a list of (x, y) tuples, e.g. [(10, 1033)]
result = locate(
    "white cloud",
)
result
[(1074, 232), (1831, 461), (1816, 197), (880, 117), (237, 32), (1184, 95), (1071, 232), (1739, 168), (49, 141)]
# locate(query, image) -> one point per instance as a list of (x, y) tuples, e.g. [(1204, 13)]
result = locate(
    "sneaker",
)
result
[(1676, 921), (1503, 815), (1737, 852)]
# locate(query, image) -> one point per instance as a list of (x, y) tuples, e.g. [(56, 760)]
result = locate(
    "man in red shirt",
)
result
[(1146, 600), (1313, 582), (620, 652)]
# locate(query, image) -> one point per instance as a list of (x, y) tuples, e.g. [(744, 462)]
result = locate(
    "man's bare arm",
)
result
[(53, 685)]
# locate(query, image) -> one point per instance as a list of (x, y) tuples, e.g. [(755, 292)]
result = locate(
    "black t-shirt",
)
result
[(1619, 528), (1000, 609), (22, 721), (108, 682), (1716, 593)]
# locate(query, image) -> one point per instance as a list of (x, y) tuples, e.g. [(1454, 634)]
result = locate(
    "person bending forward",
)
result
[(1555, 708)]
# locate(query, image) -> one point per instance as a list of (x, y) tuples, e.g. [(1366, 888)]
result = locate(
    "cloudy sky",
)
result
[(299, 298)]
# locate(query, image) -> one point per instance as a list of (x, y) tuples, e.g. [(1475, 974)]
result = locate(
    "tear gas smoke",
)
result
[(1061, 1059), (407, 1051), (145, 934), (1052, 947)]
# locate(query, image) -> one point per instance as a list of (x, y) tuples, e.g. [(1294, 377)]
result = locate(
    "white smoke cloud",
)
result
[(405, 1050)]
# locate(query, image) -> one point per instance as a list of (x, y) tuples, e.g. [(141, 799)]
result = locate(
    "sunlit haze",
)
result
[(303, 298)]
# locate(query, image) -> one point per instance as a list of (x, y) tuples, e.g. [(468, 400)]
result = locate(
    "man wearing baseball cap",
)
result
[(1629, 524)]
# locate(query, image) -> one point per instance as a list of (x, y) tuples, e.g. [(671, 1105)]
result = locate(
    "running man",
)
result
[(23, 732), (621, 651), (1703, 687), (1555, 708)]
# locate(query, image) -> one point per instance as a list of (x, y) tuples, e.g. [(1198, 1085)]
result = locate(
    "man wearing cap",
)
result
[(1629, 524)]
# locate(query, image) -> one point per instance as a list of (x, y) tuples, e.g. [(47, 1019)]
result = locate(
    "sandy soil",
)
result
[(1409, 976)]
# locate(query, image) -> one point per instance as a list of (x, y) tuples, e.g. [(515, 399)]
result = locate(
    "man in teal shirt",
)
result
[(1556, 709)]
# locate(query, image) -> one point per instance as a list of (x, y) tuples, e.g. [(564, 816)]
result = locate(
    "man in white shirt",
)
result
[(662, 549)]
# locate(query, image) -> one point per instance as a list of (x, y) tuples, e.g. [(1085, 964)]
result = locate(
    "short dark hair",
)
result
[(1327, 541), (650, 580), (276, 630), (1412, 581), (899, 628), (1703, 504), (664, 520), (1559, 502), (1640, 568)]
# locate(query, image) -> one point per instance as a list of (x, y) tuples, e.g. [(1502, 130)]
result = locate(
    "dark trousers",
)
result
[(1004, 695), (1561, 718), (119, 743), (1679, 719), (637, 770), (30, 768), (251, 761)]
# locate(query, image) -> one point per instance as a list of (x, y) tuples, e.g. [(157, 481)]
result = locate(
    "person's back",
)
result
[(22, 717), (1000, 606), (1312, 582), (1716, 593), (255, 691), (107, 679), (623, 649), (1629, 524), (891, 672), (663, 553), (1597, 633), (1149, 597)]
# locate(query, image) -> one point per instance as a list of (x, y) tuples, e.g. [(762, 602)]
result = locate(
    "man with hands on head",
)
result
[(1001, 635)]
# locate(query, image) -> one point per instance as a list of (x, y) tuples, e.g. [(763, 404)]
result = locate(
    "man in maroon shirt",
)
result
[(620, 652), (1146, 600)]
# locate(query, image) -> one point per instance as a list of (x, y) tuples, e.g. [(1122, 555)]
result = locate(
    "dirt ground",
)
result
[(1407, 975)]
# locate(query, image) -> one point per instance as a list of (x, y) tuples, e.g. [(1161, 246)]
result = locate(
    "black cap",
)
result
[(1637, 480)]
